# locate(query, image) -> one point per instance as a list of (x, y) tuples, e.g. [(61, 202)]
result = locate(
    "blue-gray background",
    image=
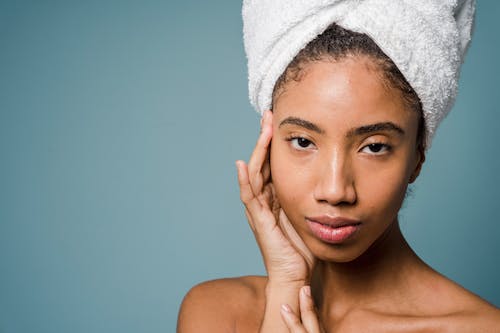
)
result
[(119, 125)]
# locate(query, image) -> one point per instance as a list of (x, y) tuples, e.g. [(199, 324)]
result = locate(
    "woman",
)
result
[(344, 136)]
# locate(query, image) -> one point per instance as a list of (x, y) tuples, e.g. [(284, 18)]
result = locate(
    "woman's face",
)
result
[(343, 153)]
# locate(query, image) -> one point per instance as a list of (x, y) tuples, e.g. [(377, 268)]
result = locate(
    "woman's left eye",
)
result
[(376, 148)]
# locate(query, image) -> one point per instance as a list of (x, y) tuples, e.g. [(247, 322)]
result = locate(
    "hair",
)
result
[(336, 43)]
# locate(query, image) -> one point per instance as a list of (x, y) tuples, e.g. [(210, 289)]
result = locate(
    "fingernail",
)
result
[(286, 308), (307, 290)]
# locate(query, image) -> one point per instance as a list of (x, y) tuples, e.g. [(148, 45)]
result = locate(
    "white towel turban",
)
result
[(426, 39)]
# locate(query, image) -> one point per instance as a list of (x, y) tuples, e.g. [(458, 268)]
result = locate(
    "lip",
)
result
[(333, 230)]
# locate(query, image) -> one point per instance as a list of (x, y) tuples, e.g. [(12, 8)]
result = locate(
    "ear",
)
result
[(418, 167)]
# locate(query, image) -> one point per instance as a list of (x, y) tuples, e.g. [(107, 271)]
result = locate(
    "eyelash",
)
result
[(383, 147), (291, 139)]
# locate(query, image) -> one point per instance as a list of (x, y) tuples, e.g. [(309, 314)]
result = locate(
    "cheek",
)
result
[(383, 189)]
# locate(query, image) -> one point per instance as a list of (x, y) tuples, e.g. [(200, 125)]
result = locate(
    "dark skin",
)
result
[(344, 145)]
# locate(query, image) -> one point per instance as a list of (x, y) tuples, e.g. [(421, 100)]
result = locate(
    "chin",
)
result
[(338, 253)]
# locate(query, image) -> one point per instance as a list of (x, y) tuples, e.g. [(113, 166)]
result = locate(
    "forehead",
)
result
[(350, 92)]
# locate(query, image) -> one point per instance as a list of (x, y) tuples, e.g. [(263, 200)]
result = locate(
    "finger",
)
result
[(295, 239), (292, 321), (246, 194), (269, 193), (259, 155), (253, 207), (275, 204), (258, 166), (250, 220), (266, 169), (307, 311)]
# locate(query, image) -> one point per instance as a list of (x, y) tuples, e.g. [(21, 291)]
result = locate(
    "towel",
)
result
[(426, 39)]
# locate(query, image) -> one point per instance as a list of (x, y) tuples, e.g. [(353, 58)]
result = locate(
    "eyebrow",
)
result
[(302, 123), (358, 131), (377, 127)]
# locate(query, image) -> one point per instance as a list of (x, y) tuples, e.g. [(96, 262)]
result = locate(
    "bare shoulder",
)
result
[(466, 311), (437, 304), (478, 315), (451, 309), (223, 305)]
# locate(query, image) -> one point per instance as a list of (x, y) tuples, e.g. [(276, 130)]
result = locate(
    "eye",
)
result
[(300, 143), (376, 148)]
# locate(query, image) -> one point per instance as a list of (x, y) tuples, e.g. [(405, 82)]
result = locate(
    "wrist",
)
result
[(284, 287), (279, 292), (277, 280)]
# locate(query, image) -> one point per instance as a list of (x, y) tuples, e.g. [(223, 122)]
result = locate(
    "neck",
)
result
[(380, 273)]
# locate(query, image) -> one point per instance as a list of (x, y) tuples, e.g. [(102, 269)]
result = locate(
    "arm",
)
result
[(213, 306), (276, 296), (288, 261)]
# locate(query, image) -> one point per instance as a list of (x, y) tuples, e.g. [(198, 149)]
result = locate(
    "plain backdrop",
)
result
[(120, 122)]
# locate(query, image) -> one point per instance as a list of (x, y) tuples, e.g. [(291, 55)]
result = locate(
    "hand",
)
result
[(307, 321), (286, 257)]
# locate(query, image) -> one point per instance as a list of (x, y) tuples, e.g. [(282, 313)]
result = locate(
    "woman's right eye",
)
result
[(301, 143)]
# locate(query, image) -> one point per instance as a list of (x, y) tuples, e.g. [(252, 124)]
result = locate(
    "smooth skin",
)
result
[(343, 145)]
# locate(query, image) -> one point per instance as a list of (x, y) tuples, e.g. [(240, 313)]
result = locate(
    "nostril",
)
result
[(344, 196), (345, 201)]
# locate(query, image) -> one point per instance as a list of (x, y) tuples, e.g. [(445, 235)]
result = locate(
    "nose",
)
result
[(335, 182)]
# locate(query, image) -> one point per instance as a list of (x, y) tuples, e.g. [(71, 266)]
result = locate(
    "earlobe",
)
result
[(418, 168)]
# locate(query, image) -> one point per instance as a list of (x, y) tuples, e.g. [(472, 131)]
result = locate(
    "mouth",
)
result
[(333, 230)]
